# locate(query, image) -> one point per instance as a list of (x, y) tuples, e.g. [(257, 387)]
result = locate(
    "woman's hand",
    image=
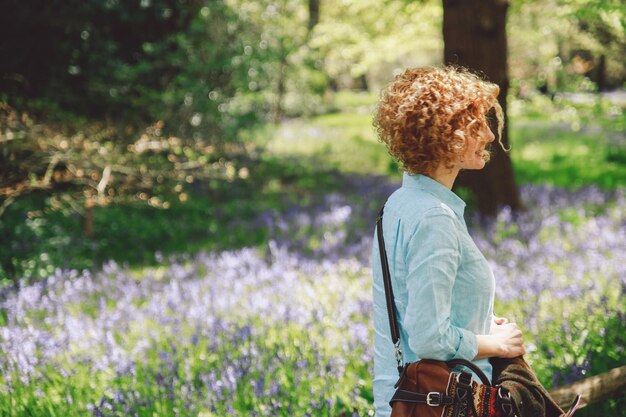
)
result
[(500, 320), (504, 341), (509, 340)]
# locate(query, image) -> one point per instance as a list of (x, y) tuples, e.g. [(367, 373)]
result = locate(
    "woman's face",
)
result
[(474, 156)]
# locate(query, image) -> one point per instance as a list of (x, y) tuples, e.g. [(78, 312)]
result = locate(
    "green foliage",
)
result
[(280, 67), (135, 61), (210, 98), (344, 139), (575, 340), (567, 143), (90, 56), (44, 231), (69, 172), (171, 77), (578, 46), (585, 340), (377, 39), (606, 12), (344, 142), (282, 352)]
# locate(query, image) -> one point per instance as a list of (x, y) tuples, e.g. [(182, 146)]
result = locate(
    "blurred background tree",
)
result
[(93, 57), (363, 42), (576, 47), (474, 34)]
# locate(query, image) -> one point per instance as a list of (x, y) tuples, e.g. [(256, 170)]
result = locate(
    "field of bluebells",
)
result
[(285, 330)]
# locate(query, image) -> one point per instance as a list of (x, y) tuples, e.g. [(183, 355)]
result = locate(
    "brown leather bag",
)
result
[(430, 388)]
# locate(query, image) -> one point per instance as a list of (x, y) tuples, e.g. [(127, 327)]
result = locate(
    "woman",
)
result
[(434, 123)]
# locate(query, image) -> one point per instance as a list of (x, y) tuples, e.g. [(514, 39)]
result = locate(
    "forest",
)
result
[(188, 192)]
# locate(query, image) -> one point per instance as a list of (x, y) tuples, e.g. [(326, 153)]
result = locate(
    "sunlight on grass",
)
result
[(345, 141), (545, 153), (354, 99)]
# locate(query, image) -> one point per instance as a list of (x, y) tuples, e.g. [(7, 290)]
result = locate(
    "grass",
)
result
[(543, 153), (212, 218), (568, 144), (341, 141)]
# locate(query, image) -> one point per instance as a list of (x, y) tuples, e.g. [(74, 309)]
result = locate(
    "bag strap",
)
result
[(471, 365), (391, 309)]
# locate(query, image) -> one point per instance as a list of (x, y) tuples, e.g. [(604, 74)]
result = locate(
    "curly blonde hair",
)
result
[(426, 116)]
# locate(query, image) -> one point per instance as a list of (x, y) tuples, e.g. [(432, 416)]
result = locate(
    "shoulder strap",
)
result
[(391, 309)]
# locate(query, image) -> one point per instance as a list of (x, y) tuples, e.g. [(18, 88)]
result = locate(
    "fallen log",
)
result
[(596, 388)]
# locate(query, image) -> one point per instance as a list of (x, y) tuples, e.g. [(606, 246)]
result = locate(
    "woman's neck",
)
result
[(445, 176)]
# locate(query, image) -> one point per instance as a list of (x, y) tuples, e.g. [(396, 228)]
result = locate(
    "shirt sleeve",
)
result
[(432, 259)]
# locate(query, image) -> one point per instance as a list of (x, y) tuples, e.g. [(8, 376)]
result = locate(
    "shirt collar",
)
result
[(437, 189)]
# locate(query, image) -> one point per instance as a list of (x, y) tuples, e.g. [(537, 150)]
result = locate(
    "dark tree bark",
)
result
[(474, 34), (314, 13), (601, 74), (602, 387), (278, 112), (361, 82)]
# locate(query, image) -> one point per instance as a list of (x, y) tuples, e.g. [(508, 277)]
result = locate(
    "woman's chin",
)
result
[(478, 163)]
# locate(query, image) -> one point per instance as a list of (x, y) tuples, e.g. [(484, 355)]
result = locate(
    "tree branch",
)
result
[(596, 388)]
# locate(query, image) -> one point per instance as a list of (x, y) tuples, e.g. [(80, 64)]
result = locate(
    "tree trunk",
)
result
[(474, 34), (314, 13), (362, 83), (277, 113), (601, 74), (88, 218)]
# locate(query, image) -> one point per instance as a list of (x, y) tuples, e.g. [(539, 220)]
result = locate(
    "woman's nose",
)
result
[(490, 136)]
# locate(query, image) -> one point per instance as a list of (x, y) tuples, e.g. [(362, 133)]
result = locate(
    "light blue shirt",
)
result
[(443, 286)]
